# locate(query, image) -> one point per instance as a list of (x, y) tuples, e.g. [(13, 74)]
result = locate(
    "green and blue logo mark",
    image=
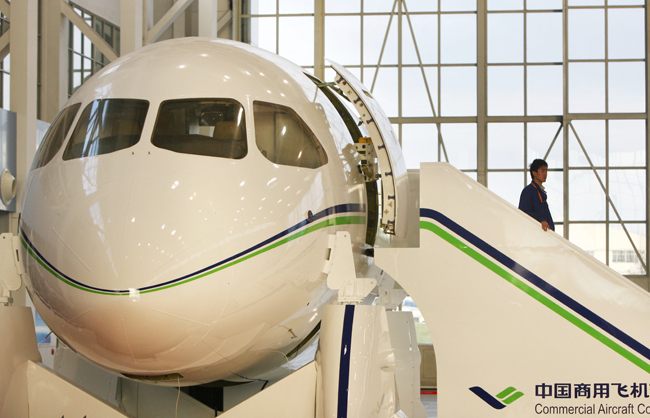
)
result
[(503, 399)]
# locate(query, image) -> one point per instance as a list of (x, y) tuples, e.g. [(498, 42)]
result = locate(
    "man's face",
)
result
[(540, 175)]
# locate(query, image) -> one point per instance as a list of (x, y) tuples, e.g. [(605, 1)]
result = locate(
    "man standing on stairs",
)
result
[(533, 197)]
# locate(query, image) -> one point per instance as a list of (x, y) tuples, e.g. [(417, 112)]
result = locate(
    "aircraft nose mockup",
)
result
[(171, 248), (131, 253)]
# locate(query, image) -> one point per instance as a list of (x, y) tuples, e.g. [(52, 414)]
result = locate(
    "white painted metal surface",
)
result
[(293, 396), (51, 395), (10, 267), (356, 363), (511, 306), (403, 339), (17, 346), (119, 244)]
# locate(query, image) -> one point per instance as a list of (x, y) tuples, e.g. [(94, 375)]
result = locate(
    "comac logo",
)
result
[(503, 399)]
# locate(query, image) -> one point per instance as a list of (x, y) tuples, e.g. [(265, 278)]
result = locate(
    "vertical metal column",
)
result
[(24, 98), (178, 27), (131, 18), (236, 20), (319, 39), (647, 143), (54, 59), (24, 63), (481, 94), (208, 18), (565, 115)]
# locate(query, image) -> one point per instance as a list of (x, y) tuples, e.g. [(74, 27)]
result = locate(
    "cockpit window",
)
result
[(55, 135), (283, 138), (106, 126), (210, 127)]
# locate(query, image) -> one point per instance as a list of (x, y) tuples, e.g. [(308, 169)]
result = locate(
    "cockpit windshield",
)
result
[(55, 135), (283, 137), (210, 127), (106, 126)]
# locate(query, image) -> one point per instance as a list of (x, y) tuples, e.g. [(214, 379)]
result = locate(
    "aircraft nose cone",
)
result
[(134, 234)]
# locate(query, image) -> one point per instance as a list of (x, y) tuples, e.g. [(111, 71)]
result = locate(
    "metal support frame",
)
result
[(647, 133), (24, 64), (167, 20), (89, 32), (481, 97), (131, 33), (54, 57), (208, 18), (319, 39)]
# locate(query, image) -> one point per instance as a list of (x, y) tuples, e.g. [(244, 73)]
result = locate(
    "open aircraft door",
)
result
[(394, 180)]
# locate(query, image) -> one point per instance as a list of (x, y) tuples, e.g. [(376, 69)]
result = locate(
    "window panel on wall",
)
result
[(545, 94), (505, 145), (77, 40), (87, 46), (554, 186), (343, 6), (627, 87), (544, 37), (380, 6), (586, 87), (627, 190), (626, 33), (586, 2), (505, 4), (385, 90), (425, 29), (460, 143), (458, 5), (419, 143), (263, 32), (586, 34), (586, 196), (505, 90), (543, 4), (539, 137), (296, 41), (505, 38), (627, 143), (591, 238), (6, 91), (592, 136), (343, 39), (374, 32), (296, 6), (458, 91), (415, 101), (263, 7), (422, 6), (507, 185), (623, 258), (458, 38), (626, 2)]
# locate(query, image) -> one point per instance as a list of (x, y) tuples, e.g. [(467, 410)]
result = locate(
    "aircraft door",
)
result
[(394, 178)]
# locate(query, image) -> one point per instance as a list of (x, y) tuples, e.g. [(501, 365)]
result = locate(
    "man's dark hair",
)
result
[(536, 165)]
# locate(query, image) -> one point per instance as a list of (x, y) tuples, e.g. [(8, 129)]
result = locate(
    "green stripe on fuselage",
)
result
[(342, 220), (535, 294)]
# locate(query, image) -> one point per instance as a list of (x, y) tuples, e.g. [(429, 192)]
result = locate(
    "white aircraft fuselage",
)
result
[(157, 253)]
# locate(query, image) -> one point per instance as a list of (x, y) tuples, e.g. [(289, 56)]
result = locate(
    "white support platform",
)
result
[(30, 390), (523, 322)]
